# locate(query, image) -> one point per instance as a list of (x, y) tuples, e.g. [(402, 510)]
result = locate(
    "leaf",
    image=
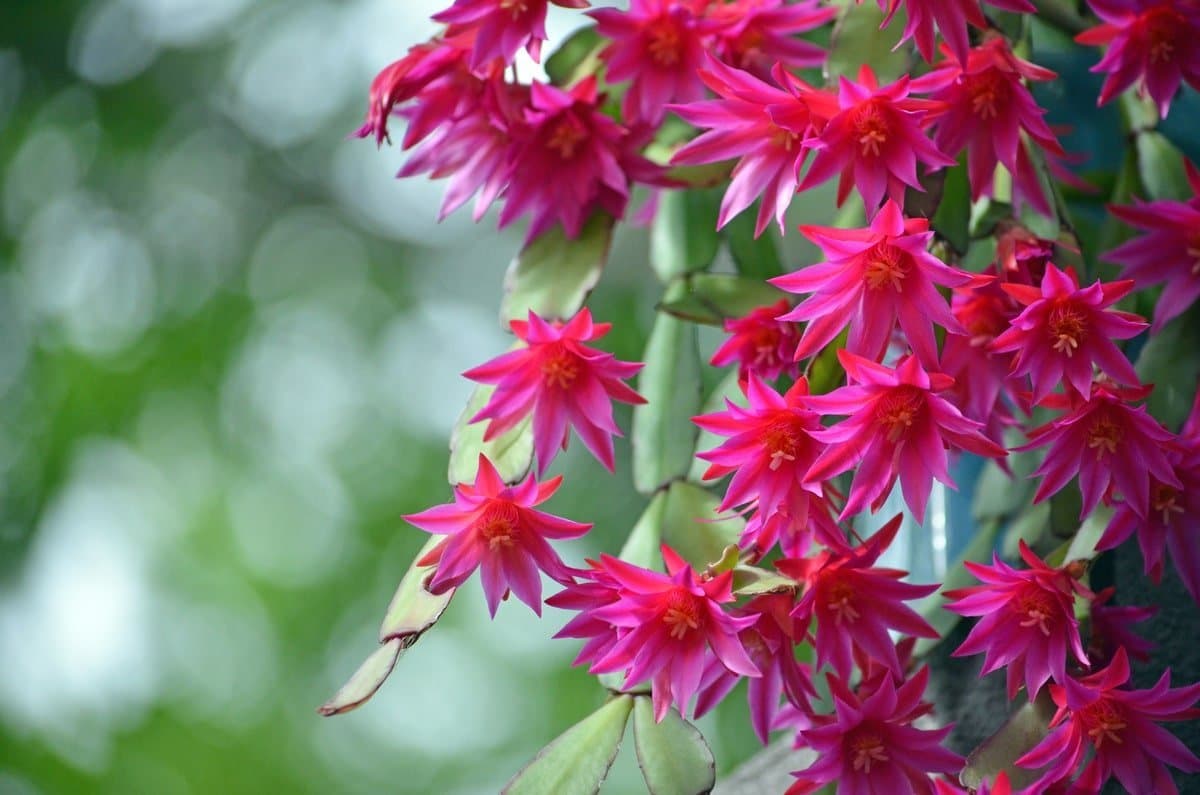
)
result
[(706, 440), (684, 236), (673, 755), (1024, 729), (577, 762), (413, 609), (753, 581), (713, 297), (953, 217), (367, 679), (1030, 525), (1171, 361), (690, 525), (1083, 544), (999, 494), (1160, 166), (932, 607), (643, 547), (511, 452), (563, 67), (857, 40), (553, 275), (757, 257), (663, 435)]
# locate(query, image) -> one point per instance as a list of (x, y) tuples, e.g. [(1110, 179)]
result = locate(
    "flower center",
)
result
[(516, 7), (1104, 436), (867, 749), (871, 129), (568, 134), (1068, 328), (1103, 721), (1163, 27), (989, 93), (1165, 499), (766, 342), (899, 409), (498, 525), (665, 43), (1037, 608), (839, 599), (682, 614), (783, 440), (560, 368), (887, 266), (784, 139)]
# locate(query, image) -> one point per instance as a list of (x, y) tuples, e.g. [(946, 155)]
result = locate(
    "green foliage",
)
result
[(663, 434), (673, 755), (711, 298), (511, 452), (577, 762), (553, 275), (684, 235)]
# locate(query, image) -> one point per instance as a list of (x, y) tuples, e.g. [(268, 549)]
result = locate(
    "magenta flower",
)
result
[(897, 427), (494, 528), (794, 530), (870, 747), (1120, 727), (875, 141), (569, 160), (502, 27), (658, 45), (951, 18), (762, 124), (1001, 786), (1155, 43), (761, 344), (757, 34), (562, 382), (667, 625), (1108, 443), (1172, 522), (769, 642), (769, 450), (404, 79), (1168, 253), (872, 278), (855, 603), (1065, 330), (1028, 620), (988, 107), (1111, 629)]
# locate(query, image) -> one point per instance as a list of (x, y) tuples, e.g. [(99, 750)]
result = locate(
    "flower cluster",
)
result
[(898, 355)]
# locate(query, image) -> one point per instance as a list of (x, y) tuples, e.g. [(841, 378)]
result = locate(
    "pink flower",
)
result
[(897, 427), (1168, 253), (770, 449), (493, 527), (1028, 620), (658, 45), (562, 382), (793, 528), (769, 642), (569, 160), (1065, 330), (875, 141), (757, 34), (1172, 522), (765, 126), (1001, 786), (870, 747), (1108, 443), (855, 603), (1112, 630), (667, 624), (501, 27), (761, 344), (951, 18), (1152, 42), (988, 107), (870, 279), (406, 78), (1120, 726)]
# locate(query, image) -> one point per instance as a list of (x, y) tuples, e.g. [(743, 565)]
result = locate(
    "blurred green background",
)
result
[(230, 346)]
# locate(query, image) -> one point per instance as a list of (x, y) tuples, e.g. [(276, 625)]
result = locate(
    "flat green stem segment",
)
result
[(664, 436), (673, 755), (413, 609), (367, 679), (553, 275), (511, 452), (577, 762)]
